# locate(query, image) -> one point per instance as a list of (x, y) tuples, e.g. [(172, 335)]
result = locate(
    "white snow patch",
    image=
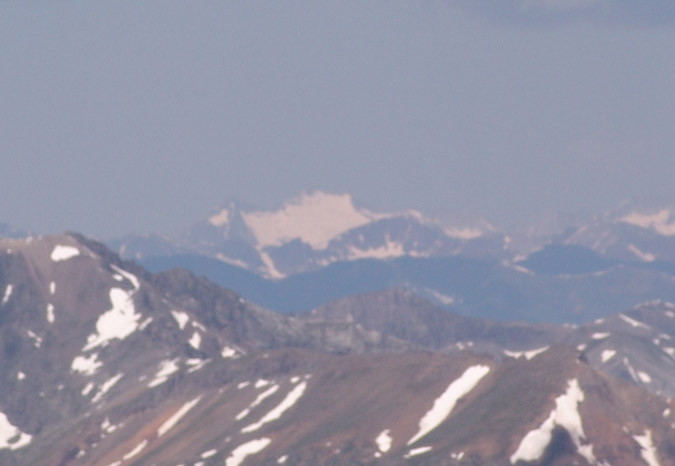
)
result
[(87, 389), (86, 365), (37, 341), (633, 322), (166, 369), (229, 353), (287, 403), (440, 297), (270, 268), (520, 268), (117, 323), (145, 323), (666, 412), (383, 441), (107, 426), (8, 294), (631, 371), (670, 314), (181, 318), (282, 459), (105, 387), (565, 415), (390, 249), (644, 256), (137, 449), (464, 233), (581, 347), (129, 276), (457, 456), (208, 454), (195, 340), (600, 335), (220, 219), (607, 355), (259, 399), (649, 453), (261, 383), (52, 288), (199, 326), (10, 436), (63, 253), (196, 364), (644, 377), (20, 375), (50, 313), (240, 453), (242, 385), (527, 354), (417, 451), (177, 416), (659, 222), (444, 404), (295, 379), (313, 218)]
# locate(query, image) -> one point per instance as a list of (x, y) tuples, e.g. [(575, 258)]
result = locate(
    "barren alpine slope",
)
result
[(103, 363)]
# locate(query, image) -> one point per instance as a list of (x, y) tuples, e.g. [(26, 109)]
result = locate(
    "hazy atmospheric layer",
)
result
[(121, 116)]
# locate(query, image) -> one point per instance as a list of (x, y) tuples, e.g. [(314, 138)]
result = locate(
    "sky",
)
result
[(121, 116)]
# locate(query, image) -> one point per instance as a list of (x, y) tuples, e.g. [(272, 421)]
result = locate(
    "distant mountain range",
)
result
[(317, 229), (104, 363), (310, 232), (320, 247)]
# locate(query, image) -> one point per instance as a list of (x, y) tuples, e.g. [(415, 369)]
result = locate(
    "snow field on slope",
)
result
[(166, 369), (444, 404), (240, 453), (105, 387), (313, 218), (565, 415), (633, 322), (607, 355), (648, 452), (86, 366), (8, 294), (276, 413), (63, 253), (135, 451), (658, 222), (9, 432), (384, 441), (177, 416), (259, 399), (527, 354), (117, 323)]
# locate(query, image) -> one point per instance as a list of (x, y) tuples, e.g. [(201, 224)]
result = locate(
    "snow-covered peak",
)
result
[(315, 218), (662, 221), (464, 233)]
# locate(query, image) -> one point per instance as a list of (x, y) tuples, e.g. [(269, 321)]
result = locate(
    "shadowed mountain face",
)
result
[(103, 363)]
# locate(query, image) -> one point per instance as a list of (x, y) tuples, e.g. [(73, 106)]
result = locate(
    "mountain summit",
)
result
[(310, 231)]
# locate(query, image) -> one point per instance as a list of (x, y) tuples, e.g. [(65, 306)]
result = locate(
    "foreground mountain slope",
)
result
[(306, 408), (105, 364)]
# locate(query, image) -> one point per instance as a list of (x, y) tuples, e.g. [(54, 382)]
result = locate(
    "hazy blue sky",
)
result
[(120, 116)]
